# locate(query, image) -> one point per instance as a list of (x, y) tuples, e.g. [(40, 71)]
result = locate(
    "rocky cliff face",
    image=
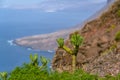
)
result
[(100, 52)]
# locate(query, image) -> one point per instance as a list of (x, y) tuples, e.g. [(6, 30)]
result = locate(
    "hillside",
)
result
[(100, 53)]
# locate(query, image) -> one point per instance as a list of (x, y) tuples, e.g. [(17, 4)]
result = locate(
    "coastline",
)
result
[(48, 41), (30, 48), (43, 42)]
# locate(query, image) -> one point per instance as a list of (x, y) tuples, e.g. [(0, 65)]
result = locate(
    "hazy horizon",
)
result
[(40, 10), (48, 5)]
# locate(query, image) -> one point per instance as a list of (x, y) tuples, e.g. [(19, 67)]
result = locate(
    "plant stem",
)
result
[(73, 62), (68, 50)]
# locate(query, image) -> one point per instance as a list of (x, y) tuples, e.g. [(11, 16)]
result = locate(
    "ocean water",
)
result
[(17, 23)]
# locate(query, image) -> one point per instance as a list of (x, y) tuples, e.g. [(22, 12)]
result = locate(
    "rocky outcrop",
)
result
[(99, 53)]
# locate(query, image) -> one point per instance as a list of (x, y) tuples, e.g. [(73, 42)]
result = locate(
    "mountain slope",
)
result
[(100, 52)]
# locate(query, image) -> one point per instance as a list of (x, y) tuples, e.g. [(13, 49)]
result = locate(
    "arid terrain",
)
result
[(100, 53)]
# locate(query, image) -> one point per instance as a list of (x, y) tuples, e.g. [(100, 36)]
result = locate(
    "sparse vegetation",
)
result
[(118, 13), (112, 27), (76, 40), (117, 36), (111, 49)]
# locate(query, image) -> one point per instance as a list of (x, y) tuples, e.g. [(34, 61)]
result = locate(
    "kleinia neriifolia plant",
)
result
[(117, 36), (76, 41), (34, 60), (3, 75)]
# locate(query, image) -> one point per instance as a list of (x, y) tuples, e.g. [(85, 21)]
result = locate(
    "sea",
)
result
[(20, 23)]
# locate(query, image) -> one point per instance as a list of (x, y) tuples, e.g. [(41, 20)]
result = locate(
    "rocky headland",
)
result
[(100, 53)]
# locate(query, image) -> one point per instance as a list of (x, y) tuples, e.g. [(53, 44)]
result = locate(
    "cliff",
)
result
[(100, 52)]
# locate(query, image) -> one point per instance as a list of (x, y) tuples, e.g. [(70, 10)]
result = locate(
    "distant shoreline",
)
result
[(48, 41)]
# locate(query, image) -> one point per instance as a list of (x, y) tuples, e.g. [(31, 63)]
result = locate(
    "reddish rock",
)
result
[(96, 56)]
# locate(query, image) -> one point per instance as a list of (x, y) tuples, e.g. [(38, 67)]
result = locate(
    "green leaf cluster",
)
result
[(34, 59), (3, 75), (44, 62), (76, 39), (60, 42), (118, 13), (28, 72), (117, 36)]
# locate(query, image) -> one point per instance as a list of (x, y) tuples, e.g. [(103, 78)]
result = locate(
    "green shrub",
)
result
[(76, 40), (32, 70), (117, 36), (28, 72), (34, 60), (112, 27), (3, 75), (77, 75), (118, 13)]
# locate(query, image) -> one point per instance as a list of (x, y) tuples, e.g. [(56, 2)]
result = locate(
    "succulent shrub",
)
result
[(3, 75), (61, 42), (34, 59), (44, 62), (118, 13), (31, 71), (76, 41)]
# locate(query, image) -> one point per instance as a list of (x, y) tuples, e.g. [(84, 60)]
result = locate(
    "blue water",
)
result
[(17, 23)]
